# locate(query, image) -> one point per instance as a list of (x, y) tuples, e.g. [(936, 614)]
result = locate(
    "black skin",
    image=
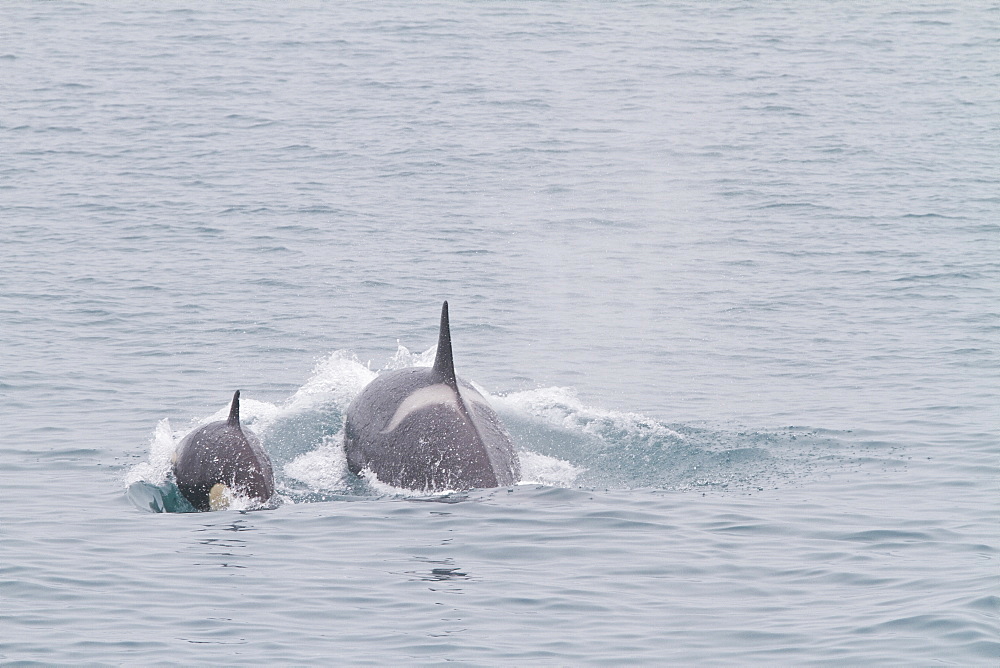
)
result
[(434, 447), (223, 452)]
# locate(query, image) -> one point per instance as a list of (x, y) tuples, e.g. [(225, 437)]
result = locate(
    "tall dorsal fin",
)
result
[(444, 364), (234, 412)]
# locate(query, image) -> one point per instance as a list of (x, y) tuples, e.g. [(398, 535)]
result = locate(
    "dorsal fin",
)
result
[(234, 412), (444, 364)]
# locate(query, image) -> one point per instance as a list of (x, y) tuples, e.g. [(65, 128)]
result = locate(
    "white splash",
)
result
[(322, 469), (385, 489), (403, 358), (161, 452), (539, 469), (560, 406), (336, 378)]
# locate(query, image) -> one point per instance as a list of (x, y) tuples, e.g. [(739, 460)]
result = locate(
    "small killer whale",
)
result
[(222, 459), (427, 429)]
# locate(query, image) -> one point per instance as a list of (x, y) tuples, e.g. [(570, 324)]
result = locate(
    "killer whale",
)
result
[(427, 429), (220, 459)]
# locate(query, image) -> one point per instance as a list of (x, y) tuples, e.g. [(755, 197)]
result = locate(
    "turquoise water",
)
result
[(729, 273)]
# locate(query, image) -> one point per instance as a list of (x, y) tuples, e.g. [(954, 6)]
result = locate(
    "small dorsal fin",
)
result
[(444, 364), (234, 412)]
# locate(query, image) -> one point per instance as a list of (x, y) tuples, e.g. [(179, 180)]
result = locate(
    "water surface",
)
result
[(729, 273)]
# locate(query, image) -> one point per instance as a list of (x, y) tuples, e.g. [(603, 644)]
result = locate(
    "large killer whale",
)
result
[(221, 460), (427, 429)]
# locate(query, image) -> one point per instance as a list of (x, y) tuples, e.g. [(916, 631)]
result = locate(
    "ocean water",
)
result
[(729, 272)]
